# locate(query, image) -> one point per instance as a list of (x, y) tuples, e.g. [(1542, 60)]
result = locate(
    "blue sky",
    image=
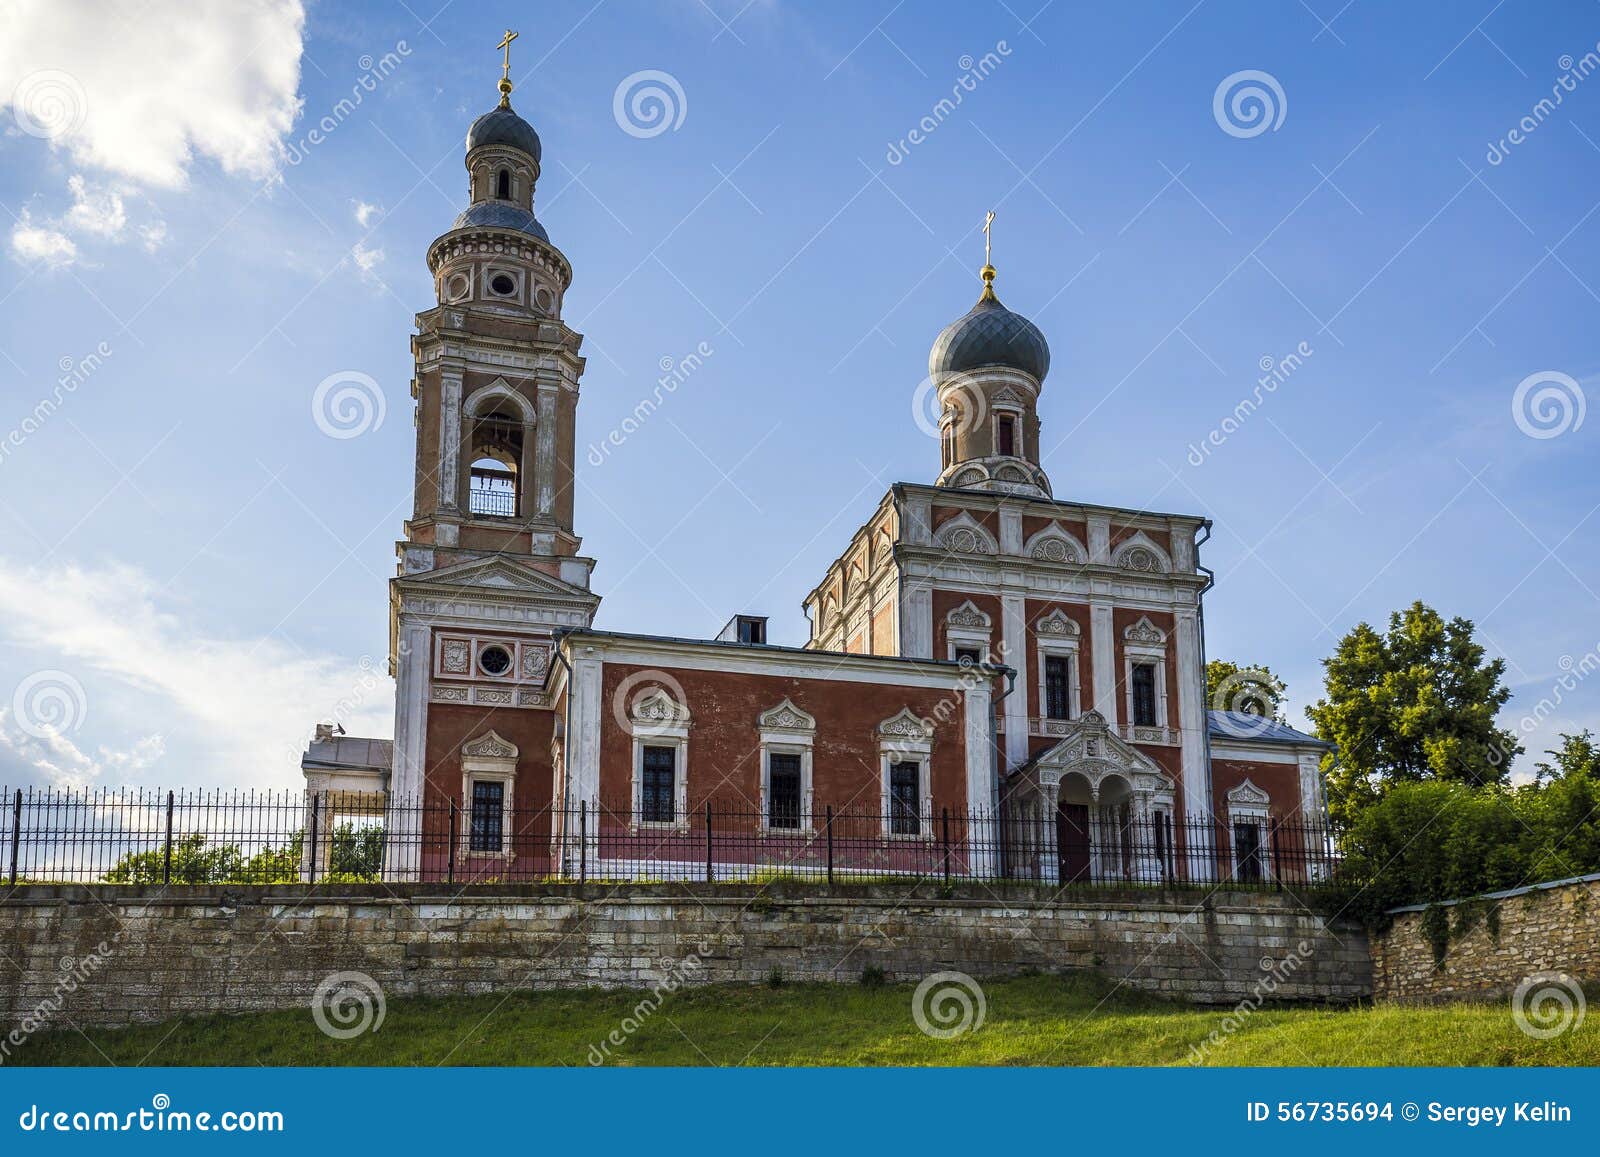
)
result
[(184, 544)]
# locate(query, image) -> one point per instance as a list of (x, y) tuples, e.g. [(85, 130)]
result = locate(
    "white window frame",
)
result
[(1134, 653), (1012, 410), (488, 759), (789, 730), (1250, 804), (659, 721), (1052, 637), (907, 738), (978, 638)]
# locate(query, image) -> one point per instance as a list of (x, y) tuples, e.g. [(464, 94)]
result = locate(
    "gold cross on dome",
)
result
[(505, 43), (505, 75)]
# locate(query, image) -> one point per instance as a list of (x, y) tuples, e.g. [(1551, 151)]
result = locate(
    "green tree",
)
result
[(1415, 703), (1230, 687), (1577, 757)]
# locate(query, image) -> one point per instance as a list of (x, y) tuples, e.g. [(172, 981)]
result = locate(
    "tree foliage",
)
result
[(1415, 703), (1436, 840), (354, 854), (1230, 687)]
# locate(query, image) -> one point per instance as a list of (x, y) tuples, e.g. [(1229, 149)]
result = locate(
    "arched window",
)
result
[(493, 489), (503, 185)]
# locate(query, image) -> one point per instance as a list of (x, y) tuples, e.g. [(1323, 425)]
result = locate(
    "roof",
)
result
[(501, 215), (349, 752), (501, 126), (1250, 728), (989, 334)]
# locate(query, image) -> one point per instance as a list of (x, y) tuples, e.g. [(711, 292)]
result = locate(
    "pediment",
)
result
[(787, 717), (1090, 748), (1247, 794), (497, 574), (491, 745)]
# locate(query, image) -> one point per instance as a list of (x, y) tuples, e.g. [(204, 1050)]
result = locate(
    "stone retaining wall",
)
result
[(1496, 942), (144, 954)]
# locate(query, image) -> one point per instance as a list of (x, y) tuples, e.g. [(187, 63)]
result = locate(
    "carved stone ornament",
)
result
[(659, 707), (967, 617), (456, 657), (1055, 550), (1247, 794), (1141, 559), (535, 661), (1145, 633), (906, 725), (1057, 625), (786, 717), (489, 746), (965, 540)]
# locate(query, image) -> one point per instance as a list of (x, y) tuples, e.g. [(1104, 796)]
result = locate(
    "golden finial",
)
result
[(505, 75), (988, 264)]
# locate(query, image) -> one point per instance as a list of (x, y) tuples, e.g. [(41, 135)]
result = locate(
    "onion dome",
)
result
[(502, 126), (989, 334)]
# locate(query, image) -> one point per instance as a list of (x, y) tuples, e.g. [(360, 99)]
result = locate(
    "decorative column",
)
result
[(1049, 850), (1192, 730), (450, 442), (916, 624), (1103, 657), (407, 785), (583, 756), (1014, 643), (983, 854), (544, 461)]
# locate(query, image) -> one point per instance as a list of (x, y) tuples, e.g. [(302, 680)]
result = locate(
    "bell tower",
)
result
[(489, 566)]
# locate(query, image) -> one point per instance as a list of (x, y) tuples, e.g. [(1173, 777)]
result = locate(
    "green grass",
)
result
[(1035, 1020)]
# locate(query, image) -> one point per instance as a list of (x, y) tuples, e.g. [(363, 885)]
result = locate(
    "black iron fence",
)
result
[(207, 837)]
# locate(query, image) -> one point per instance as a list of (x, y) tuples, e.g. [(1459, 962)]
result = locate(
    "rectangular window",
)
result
[(783, 790), (968, 656), (1144, 694), (1247, 851), (488, 816), (753, 631), (1008, 438), (905, 799), (1057, 678), (658, 795)]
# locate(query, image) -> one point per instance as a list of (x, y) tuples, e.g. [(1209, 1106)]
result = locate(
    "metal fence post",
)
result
[(311, 869), (450, 867), (708, 842), (830, 844), (166, 858), (583, 841), (944, 838), (16, 833), (1277, 862)]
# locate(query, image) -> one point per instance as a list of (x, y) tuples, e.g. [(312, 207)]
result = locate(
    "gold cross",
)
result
[(987, 221), (505, 43)]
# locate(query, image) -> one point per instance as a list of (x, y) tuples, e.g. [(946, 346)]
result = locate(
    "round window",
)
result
[(502, 284), (494, 660)]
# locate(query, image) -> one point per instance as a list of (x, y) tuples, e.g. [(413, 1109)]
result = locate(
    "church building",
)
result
[(996, 678)]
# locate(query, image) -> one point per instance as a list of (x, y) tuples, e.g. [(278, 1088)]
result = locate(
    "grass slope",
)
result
[(1036, 1020)]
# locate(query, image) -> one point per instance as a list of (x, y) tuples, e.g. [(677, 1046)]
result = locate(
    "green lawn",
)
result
[(1034, 1020)]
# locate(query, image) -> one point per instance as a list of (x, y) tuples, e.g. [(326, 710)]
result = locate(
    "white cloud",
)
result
[(367, 260), (153, 236), (141, 90), (34, 243), (366, 213), (245, 705), (94, 210), (63, 763)]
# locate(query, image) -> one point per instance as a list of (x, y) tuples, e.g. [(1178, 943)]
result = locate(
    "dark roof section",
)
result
[(501, 126), (501, 215), (989, 334), (577, 632), (349, 752), (1249, 728)]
